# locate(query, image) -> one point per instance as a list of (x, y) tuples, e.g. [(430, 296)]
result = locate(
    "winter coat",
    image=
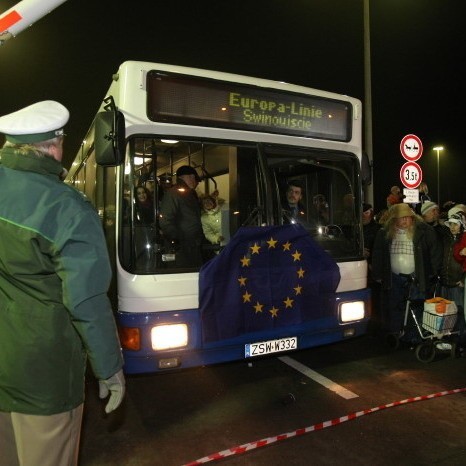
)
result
[(427, 256), (393, 199), (180, 221), (369, 232), (452, 271), (144, 213), (461, 244), (181, 213), (54, 276), (212, 224)]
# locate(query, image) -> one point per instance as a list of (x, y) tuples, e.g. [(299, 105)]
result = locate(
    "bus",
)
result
[(273, 284)]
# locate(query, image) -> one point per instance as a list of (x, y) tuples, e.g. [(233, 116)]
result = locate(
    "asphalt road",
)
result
[(176, 418)]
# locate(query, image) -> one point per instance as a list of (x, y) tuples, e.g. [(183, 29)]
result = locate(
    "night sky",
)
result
[(418, 48)]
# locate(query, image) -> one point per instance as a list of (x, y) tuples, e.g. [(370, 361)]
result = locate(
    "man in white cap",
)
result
[(54, 311)]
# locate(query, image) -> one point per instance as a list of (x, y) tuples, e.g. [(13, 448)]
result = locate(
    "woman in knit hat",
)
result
[(405, 247)]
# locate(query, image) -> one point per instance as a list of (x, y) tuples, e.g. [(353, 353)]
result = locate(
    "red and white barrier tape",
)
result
[(305, 430)]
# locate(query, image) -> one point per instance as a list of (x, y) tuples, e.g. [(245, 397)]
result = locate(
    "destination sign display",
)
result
[(190, 100)]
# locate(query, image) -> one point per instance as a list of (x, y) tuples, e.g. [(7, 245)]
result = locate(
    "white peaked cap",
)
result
[(38, 122)]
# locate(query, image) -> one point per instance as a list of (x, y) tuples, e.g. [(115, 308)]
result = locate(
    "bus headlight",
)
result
[(352, 311), (169, 336)]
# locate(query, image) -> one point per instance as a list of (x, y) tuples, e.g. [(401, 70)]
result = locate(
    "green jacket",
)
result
[(54, 276)]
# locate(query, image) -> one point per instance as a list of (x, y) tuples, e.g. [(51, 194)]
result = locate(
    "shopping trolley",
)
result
[(429, 332), (437, 325)]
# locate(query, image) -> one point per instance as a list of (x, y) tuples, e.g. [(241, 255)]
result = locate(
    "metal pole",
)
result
[(438, 149), (438, 177), (369, 195)]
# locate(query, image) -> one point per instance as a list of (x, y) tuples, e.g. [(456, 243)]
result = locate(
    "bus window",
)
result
[(150, 166), (329, 197)]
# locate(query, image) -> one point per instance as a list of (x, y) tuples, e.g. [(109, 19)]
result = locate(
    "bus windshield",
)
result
[(249, 183)]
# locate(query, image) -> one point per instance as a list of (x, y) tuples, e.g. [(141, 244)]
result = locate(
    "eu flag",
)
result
[(265, 278)]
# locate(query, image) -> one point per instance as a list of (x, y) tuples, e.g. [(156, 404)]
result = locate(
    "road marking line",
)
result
[(319, 378)]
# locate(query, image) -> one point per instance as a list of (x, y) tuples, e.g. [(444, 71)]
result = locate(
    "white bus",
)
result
[(274, 283)]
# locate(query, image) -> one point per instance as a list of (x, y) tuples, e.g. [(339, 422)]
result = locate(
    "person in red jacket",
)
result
[(394, 197), (459, 249)]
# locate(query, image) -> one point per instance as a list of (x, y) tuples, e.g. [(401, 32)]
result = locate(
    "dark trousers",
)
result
[(394, 302)]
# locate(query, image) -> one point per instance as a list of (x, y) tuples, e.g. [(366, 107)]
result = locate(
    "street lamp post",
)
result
[(438, 149), (369, 190)]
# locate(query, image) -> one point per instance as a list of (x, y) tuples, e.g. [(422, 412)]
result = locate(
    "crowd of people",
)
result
[(419, 246)]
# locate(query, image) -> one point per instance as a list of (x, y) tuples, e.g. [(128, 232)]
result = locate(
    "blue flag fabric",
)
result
[(265, 278)]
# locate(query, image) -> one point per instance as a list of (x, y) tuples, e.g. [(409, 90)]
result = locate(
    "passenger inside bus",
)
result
[(320, 210), (144, 207), (164, 183), (180, 219), (211, 217)]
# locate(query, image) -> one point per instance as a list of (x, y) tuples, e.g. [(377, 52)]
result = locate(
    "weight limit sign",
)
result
[(411, 175)]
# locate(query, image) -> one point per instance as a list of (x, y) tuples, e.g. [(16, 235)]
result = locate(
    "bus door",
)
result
[(234, 171)]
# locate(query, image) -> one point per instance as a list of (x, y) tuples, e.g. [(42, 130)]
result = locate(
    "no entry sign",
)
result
[(411, 147), (411, 175)]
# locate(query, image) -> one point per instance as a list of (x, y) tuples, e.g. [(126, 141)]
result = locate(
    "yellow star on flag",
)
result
[(288, 302), (298, 289), (258, 307), (272, 243), (242, 281), (296, 256), (287, 246), (300, 272), (255, 249), (245, 261), (273, 311), (247, 297)]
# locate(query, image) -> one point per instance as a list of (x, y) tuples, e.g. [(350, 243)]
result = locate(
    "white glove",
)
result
[(115, 385)]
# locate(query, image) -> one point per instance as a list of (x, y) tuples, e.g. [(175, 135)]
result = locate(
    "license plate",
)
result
[(271, 346)]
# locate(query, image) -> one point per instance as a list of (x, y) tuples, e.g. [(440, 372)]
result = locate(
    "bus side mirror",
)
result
[(109, 138)]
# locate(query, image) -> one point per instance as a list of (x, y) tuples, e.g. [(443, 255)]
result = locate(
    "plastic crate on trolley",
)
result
[(439, 315)]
